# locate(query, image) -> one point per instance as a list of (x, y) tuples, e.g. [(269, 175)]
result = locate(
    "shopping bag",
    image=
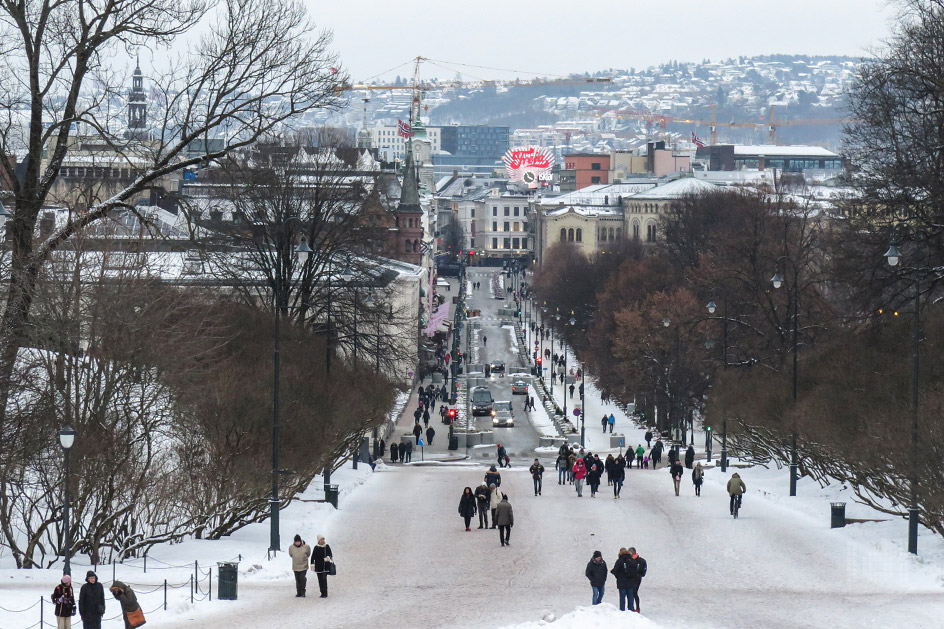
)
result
[(136, 618)]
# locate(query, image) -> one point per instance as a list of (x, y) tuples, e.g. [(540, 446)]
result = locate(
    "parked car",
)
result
[(502, 414), (519, 386), (481, 401)]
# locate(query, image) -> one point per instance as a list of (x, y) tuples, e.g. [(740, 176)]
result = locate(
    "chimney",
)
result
[(455, 174)]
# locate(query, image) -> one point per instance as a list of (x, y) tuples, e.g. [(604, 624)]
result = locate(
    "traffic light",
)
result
[(452, 414), (707, 428), (539, 361)]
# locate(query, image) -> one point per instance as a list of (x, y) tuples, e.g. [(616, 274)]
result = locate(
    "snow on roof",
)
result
[(676, 189), (769, 150), (601, 194)]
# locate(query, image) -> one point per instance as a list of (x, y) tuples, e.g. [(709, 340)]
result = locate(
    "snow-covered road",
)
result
[(405, 560)]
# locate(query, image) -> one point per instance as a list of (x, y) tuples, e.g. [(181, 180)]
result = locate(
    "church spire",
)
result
[(137, 107), (409, 193)]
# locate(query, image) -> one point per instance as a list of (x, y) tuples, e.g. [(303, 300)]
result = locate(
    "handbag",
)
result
[(136, 618), (332, 569)]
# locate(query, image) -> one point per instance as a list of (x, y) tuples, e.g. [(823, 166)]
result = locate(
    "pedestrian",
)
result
[(502, 455), (645, 463), (580, 473), (655, 455), (736, 489), (640, 455), (537, 474), (676, 471), (641, 568), (698, 477), (493, 477), (608, 468), (690, 456), (619, 474), (673, 455), (299, 551), (571, 388), (129, 603), (482, 506), (64, 599), (605, 421), (506, 519), (426, 416), (648, 438), (417, 415), (467, 507), (531, 401), (611, 421), (409, 451), (561, 377), (442, 413), (494, 499), (394, 453), (594, 473), (430, 433), (626, 571), (571, 459), (561, 466), (321, 560), (91, 602), (596, 573), (484, 343), (417, 432)]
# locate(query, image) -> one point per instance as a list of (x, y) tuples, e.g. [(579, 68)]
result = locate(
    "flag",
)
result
[(403, 129), (697, 141)]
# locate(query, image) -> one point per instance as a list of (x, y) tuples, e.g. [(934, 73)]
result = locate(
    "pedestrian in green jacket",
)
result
[(640, 453)]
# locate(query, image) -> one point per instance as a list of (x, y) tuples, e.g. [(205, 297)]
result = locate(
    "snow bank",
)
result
[(602, 616)]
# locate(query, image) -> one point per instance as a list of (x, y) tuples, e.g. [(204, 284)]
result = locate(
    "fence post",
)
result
[(196, 572), (191, 589), (112, 568), (210, 586), (41, 601), (145, 563), (165, 595)]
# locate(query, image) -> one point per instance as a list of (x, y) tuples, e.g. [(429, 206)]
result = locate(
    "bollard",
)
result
[(145, 563), (191, 589), (838, 515), (165, 595)]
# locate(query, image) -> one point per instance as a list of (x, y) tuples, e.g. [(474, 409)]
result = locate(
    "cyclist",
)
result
[(736, 489)]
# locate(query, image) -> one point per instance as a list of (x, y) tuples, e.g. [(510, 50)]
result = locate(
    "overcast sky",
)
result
[(563, 36)]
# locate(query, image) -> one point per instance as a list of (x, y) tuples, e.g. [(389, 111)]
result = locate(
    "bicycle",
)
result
[(736, 506)]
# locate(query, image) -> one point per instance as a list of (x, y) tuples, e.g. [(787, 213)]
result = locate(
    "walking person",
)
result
[(467, 507), (596, 574), (64, 599), (676, 470), (91, 602), (493, 477), (608, 468), (409, 451), (648, 438), (619, 473), (641, 568), (506, 519), (689, 456), (321, 558), (611, 421), (482, 506), (494, 499), (640, 453), (484, 340), (417, 431), (299, 551), (426, 416), (129, 602), (594, 472), (561, 466), (537, 475), (502, 456), (430, 433), (626, 571), (605, 421), (655, 454), (698, 477), (580, 473), (394, 453)]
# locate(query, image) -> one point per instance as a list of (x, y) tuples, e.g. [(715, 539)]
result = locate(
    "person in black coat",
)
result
[(467, 507), (619, 475), (676, 471), (648, 438), (626, 572), (92, 602), (64, 599), (594, 473), (430, 433), (321, 556), (655, 455), (401, 451), (690, 457), (596, 574), (483, 498)]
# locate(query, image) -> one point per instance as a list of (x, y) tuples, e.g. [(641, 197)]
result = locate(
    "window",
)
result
[(563, 236), (651, 232), (494, 210), (494, 243), (635, 231), (472, 243), (507, 210), (594, 180), (516, 211), (611, 234), (595, 166), (494, 226), (473, 213), (570, 235), (506, 243), (579, 235), (619, 233), (516, 243), (517, 226), (409, 246), (505, 227)]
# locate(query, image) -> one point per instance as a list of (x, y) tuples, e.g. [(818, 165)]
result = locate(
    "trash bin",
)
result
[(838, 515), (331, 494), (453, 443), (227, 577)]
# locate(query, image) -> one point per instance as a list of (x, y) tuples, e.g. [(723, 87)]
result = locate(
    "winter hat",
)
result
[(492, 469), (597, 553), (298, 538), (89, 575), (66, 579)]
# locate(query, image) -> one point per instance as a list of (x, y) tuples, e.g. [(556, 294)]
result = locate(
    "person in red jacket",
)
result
[(580, 473)]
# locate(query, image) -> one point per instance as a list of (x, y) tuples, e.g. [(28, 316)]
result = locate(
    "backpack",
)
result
[(643, 567)]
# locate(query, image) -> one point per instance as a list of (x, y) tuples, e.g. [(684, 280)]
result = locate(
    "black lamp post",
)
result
[(724, 353), (894, 257), (66, 439), (302, 251), (674, 406), (794, 296)]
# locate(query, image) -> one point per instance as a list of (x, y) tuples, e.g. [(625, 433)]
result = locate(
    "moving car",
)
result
[(502, 414), (497, 367), (519, 386), (481, 401)]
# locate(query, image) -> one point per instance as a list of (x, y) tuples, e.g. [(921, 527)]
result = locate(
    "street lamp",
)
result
[(302, 252), (66, 439), (794, 298), (894, 256), (712, 307)]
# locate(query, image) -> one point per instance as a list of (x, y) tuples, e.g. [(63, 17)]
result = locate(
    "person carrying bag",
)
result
[(130, 610)]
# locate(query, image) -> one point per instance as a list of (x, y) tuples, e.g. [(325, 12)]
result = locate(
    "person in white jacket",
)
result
[(494, 500)]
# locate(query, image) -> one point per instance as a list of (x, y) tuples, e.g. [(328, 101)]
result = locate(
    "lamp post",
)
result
[(66, 439), (674, 409), (894, 256), (794, 297), (302, 252), (724, 354)]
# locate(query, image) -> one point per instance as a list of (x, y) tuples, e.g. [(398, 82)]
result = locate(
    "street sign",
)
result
[(419, 442), (576, 412)]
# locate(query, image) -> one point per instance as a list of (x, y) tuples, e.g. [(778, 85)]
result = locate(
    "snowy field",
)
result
[(402, 553)]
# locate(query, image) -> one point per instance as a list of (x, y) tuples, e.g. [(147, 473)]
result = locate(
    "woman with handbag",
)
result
[(322, 563), (64, 599), (92, 602), (130, 610)]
